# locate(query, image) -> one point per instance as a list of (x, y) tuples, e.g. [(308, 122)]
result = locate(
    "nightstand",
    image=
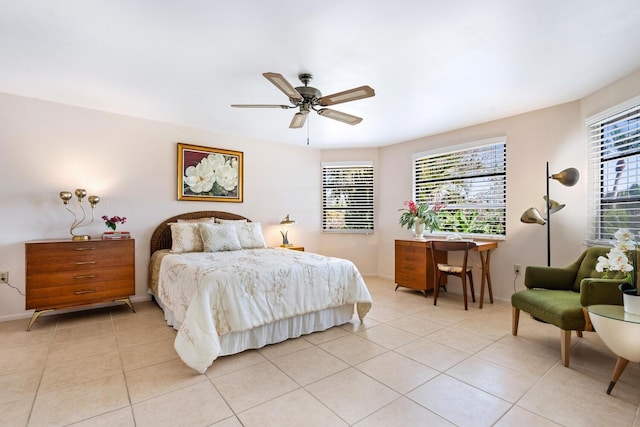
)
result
[(294, 248), (67, 273)]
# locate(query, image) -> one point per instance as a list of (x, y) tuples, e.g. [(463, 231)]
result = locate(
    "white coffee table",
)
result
[(620, 331)]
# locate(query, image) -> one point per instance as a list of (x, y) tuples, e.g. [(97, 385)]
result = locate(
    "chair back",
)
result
[(587, 266), (450, 246)]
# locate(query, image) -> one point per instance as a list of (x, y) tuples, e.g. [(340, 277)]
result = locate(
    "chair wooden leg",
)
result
[(473, 293), (588, 326), (565, 346), (515, 317), (463, 277), (579, 334), (436, 288)]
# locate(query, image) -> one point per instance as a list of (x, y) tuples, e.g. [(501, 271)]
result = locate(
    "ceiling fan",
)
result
[(307, 98)]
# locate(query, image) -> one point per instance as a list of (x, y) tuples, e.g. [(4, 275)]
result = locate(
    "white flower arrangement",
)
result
[(621, 257)]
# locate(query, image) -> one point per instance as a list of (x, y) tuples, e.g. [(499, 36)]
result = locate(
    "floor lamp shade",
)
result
[(568, 177)]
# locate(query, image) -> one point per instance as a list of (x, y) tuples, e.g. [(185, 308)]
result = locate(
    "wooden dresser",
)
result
[(66, 273), (413, 267)]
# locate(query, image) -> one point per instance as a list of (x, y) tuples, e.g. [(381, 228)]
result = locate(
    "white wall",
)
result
[(131, 164), (556, 135)]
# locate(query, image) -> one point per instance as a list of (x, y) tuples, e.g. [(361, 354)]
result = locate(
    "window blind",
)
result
[(469, 182), (347, 197), (614, 171)]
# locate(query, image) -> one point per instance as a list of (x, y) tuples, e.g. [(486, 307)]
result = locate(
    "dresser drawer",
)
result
[(79, 293), (82, 276), (47, 257)]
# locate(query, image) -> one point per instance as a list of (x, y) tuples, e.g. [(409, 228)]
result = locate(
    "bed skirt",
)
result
[(271, 333)]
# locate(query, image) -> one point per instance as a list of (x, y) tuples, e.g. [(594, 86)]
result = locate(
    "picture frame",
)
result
[(209, 174)]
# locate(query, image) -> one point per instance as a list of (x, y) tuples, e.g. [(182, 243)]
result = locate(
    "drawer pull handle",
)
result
[(86, 276), (85, 262), (90, 248), (88, 291)]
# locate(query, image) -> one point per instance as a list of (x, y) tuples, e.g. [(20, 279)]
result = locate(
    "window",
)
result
[(614, 171), (347, 197), (470, 181)]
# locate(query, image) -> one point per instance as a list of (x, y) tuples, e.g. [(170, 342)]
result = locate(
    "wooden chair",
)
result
[(443, 270)]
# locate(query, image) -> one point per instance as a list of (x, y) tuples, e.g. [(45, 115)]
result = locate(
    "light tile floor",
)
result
[(409, 364)]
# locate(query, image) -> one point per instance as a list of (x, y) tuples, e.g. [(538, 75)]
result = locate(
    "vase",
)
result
[(419, 230), (631, 302), (630, 298)]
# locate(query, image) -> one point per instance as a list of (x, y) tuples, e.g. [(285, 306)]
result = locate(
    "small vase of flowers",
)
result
[(623, 257), (420, 216), (113, 221)]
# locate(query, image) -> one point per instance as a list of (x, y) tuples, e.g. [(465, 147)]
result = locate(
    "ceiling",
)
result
[(435, 65)]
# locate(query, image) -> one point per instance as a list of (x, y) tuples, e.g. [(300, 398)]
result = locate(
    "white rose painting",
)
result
[(209, 174)]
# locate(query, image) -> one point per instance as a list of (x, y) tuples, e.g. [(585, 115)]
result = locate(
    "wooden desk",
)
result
[(413, 267)]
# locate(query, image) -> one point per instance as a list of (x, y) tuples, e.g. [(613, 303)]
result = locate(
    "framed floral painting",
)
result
[(209, 174)]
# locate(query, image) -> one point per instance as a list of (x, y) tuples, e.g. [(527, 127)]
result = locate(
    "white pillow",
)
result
[(208, 219), (229, 221), (219, 237), (250, 235), (185, 237)]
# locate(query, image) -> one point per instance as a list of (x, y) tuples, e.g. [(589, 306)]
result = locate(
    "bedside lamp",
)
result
[(79, 222), (285, 223)]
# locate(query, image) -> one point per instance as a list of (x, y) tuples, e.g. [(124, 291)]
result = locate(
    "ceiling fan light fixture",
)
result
[(298, 120), (307, 98)]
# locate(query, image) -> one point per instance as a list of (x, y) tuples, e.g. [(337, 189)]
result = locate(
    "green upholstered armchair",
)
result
[(560, 295)]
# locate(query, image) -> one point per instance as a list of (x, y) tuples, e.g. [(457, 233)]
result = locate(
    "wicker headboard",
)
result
[(161, 237)]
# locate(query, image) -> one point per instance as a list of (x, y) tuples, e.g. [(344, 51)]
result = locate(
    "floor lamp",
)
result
[(568, 177)]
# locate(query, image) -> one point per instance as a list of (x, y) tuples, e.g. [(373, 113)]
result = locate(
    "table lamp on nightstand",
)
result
[(285, 223)]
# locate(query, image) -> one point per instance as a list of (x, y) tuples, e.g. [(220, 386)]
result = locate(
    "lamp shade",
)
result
[(568, 177), (553, 205), (532, 216), (287, 221)]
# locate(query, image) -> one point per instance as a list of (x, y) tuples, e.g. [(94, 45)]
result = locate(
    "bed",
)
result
[(223, 299)]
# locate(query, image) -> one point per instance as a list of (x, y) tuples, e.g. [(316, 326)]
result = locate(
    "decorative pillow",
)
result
[(185, 237), (229, 221), (208, 219), (219, 237), (250, 235)]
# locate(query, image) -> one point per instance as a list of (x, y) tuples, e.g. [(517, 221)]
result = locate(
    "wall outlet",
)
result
[(517, 268), (4, 276)]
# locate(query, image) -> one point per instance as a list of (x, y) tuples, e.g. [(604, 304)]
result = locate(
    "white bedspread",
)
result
[(213, 294)]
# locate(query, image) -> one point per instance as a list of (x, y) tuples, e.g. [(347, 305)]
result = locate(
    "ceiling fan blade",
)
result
[(347, 95), (298, 120), (261, 106), (281, 83), (340, 116)]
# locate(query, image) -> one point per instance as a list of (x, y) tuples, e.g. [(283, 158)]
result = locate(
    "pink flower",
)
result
[(411, 205), (111, 222)]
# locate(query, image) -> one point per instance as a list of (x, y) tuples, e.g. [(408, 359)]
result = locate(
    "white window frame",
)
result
[(437, 190), (356, 214), (614, 171)]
